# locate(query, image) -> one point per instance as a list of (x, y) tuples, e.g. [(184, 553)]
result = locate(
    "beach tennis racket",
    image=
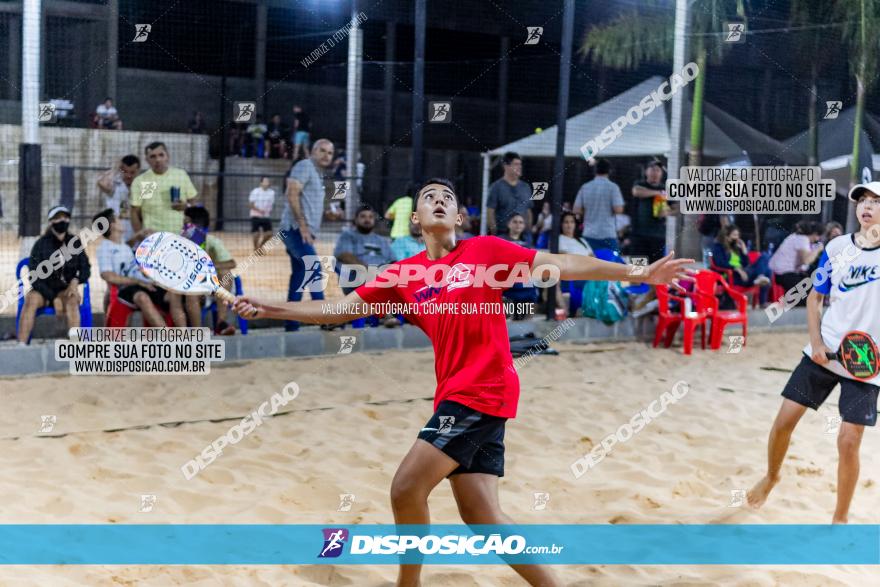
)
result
[(858, 355), (179, 265)]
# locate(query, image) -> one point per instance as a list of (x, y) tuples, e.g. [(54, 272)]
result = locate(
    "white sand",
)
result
[(680, 469)]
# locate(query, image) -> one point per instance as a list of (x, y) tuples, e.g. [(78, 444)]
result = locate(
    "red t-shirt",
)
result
[(472, 361)]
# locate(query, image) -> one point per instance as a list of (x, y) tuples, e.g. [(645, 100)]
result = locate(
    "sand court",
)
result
[(116, 439)]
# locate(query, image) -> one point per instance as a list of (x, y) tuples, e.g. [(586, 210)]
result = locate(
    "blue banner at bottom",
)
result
[(445, 544)]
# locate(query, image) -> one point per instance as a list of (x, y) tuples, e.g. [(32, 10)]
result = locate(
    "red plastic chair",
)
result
[(753, 291), (118, 313), (667, 323), (709, 284)]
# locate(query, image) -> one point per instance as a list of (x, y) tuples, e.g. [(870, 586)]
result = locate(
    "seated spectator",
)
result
[(516, 227), (792, 259), (261, 200), (730, 252), (276, 134), (463, 231), (118, 267), (108, 117), (196, 223), (519, 292), (256, 132), (409, 245), (362, 251), (569, 242), (543, 226), (832, 231), (55, 284), (196, 124)]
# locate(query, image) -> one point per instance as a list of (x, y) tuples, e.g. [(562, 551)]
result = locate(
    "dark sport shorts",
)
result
[(474, 439), (127, 292), (810, 385), (258, 224)]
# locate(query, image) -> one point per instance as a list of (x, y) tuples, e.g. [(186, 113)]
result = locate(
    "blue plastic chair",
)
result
[(610, 255), (85, 308), (242, 323)]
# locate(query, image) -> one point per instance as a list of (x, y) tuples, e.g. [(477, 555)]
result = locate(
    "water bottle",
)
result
[(707, 258), (770, 249)]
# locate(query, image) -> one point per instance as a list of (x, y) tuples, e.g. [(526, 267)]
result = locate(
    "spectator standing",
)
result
[(597, 202), (301, 219), (196, 124), (261, 200), (160, 195), (649, 221), (509, 195), (115, 183), (794, 256), (60, 287), (400, 212), (301, 132), (108, 117)]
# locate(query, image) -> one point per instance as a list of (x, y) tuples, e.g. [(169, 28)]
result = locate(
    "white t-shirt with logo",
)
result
[(263, 200), (119, 258), (854, 295)]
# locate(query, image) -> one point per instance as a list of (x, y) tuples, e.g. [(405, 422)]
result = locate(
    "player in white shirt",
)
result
[(261, 200), (849, 273)]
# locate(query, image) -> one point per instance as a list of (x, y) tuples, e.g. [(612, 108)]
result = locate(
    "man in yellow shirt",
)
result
[(159, 196), (400, 211)]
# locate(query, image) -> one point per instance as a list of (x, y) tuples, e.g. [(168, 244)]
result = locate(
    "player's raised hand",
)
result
[(668, 270)]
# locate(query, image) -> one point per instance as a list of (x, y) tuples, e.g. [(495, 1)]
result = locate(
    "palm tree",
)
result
[(860, 19), (645, 35), (812, 56)]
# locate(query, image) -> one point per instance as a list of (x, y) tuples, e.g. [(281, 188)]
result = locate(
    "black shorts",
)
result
[(474, 439), (258, 224), (810, 385), (127, 292), (48, 291)]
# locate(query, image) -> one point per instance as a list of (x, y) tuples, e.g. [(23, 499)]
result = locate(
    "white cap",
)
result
[(55, 210), (857, 190)]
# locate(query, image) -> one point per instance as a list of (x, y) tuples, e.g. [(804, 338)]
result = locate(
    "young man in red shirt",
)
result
[(477, 385)]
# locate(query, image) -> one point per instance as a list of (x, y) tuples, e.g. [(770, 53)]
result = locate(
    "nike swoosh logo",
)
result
[(851, 286)]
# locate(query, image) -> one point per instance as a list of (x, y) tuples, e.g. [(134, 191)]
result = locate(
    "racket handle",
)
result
[(831, 356), (224, 296)]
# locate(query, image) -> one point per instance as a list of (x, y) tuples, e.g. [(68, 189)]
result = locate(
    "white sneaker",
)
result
[(762, 280)]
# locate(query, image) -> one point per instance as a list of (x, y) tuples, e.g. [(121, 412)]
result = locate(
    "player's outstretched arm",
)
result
[(347, 309), (578, 267)]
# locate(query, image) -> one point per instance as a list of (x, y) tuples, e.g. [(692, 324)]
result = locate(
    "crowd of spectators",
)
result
[(277, 139), (163, 198)]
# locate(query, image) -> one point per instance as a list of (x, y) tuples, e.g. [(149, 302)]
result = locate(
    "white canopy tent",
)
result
[(724, 135)]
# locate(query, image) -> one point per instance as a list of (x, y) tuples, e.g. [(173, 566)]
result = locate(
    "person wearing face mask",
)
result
[(59, 265)]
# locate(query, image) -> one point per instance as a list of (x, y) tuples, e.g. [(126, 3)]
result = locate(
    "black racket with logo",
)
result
[(858, 355)]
